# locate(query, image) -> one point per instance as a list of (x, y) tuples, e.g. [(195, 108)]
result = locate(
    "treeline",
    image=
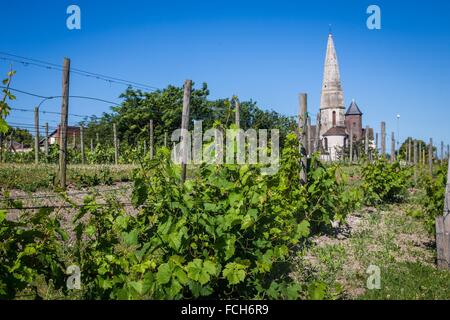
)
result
[(164, 107)]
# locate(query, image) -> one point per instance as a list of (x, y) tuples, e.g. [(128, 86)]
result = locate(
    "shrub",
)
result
[(227, 233), (385, 182)]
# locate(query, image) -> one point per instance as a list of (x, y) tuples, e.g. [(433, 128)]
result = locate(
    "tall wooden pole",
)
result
[(409, 150), (74, 140), (184, 128), (443, 230), (116, 145), (392, 147), (442, 152), (46, 140), (238, 113), (415, 161), (351, 144), (92, 145), (376, 142), (82, 144), (63, 126), (97, 139), (1, 147), (420, 152), (383, 139), (36, 135), (317, 134), (366, 142), (309, 136), (430, 156), (151, 139), (303, 114), (165, 139)]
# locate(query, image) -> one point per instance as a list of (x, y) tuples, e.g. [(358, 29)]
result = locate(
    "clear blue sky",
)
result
[(268, 51)]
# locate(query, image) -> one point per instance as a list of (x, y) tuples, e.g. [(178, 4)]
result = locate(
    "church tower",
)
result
[(332, 99)]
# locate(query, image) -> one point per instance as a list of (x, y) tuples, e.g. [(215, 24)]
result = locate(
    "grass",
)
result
[(411, 281), (387, 237), (31, 178)]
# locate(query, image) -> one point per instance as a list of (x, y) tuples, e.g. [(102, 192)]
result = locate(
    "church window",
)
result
[(325, 141), (334, 118)]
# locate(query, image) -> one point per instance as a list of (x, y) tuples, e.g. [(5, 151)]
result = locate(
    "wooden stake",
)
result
[(366, 142), (309, 137), (92, 145), (82, 144), (63, 125), (303, 114), (36, 137), (383, 139), (415, 162), (46, 140), (430, 156), (351, 144), (238, 113), (409, 151), (116, 145), (317, 136), (442, 153), (165, 139), (184, 128), (74, 140), (392, 147), (1, 146), (151, 139)]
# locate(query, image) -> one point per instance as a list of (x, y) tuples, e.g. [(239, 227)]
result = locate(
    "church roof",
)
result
[(332, 94), (336, 131), (353, 110)]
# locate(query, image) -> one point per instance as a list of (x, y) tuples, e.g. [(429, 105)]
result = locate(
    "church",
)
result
[(337, 123)]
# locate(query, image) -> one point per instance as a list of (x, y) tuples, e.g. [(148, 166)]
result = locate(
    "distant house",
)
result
[(54, 137)]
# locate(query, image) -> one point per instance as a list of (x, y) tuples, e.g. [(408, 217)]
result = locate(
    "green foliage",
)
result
[(4, 107), (226, 233), (432, 201), (30, 250), (385, 182)]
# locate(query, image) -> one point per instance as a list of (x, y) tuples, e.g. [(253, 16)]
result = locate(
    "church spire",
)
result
[(332, 99)]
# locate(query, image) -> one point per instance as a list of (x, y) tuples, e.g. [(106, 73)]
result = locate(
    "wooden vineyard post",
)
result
[(116, 145), (46, 140), (351, 145), (303, 113), (238, 113), (430, 156), (308, 133), (415, 162), (184, 128), (366, 142), (97, 139), (317, 134), (376, 142), (383, 139), (63, 126), (92, 145), (1, 147), (36, 135), (74, 140), (165, 139), (442, 152), (392, 147), (443, 230), (82, 144), (151, 139), (420, 153), (409, 151)]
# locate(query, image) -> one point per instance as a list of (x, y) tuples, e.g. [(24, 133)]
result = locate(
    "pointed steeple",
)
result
[(332, 95), (332, 98)]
